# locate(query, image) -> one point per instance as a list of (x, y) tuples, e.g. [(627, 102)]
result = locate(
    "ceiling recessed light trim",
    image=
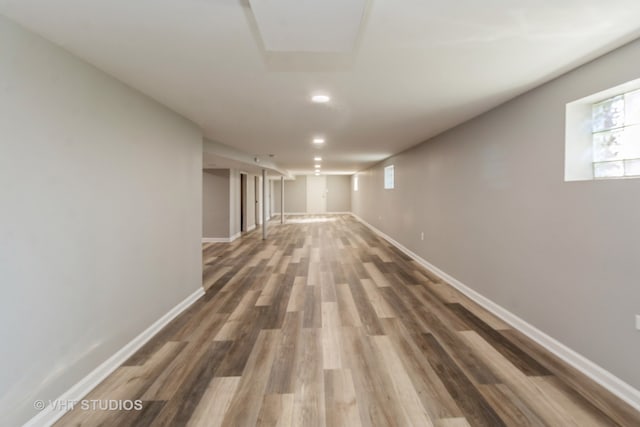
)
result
[(317, 159), (318, 140)]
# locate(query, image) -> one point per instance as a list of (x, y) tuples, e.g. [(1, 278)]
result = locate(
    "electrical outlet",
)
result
[(638, 322), (422, 236)]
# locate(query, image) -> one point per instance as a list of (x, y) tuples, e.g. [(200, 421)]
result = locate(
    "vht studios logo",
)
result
[(89, 405)]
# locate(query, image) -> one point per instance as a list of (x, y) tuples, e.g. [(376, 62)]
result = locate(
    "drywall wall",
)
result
[(100, 218), (268, 199), (234, 203), (251, 201), (338, 193), (497, 215), (295, 194), (221, 203), (215, 199)]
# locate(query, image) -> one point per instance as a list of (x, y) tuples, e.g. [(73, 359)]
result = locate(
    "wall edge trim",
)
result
[(215, 240), (308, 213)]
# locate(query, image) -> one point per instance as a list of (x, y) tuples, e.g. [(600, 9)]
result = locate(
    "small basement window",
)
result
[(616, 136), (603, 135), (389, 177)]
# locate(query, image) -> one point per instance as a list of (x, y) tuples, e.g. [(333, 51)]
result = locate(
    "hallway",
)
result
[(325, 323)]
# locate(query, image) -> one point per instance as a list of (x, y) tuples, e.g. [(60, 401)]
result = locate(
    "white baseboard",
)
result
[(48, 416), (221, 239), (251, 228), (615, 385), (215, 240), (307, 213)]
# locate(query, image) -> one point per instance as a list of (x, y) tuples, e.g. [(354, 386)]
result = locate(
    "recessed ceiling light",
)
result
[(317, 166), (318, 140), (317, 159), (320, 99)]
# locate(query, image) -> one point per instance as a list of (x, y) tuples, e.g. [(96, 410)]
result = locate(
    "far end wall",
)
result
[(295, 194)]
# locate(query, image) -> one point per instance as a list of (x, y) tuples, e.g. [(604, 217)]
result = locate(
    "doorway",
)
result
[(243, 203), (257, 198), (316, 194)]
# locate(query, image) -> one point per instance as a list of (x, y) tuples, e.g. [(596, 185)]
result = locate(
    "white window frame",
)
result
[(578, 158), (389, 177), (625, 163)]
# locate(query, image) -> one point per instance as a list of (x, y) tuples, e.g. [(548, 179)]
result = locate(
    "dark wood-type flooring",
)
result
[(327, 324)]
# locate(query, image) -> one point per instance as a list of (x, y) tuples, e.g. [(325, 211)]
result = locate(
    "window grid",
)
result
[(616, 136)]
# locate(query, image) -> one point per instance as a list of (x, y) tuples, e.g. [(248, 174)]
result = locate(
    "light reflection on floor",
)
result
[(306, 220)]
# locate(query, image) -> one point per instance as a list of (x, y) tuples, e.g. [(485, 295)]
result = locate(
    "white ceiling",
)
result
[(418, 67), (308, 25)]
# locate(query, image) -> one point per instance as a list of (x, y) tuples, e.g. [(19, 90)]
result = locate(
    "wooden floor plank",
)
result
[(308, 403), (181, 407), (245, 407), (282, 376), (331, 340), (215, 402), (469, 399), (379, 304), (408, 398), (347, 307), (374, 390), (544, 405), (296, 299), (276, 411), (340, 398), (619, 411), (434, 396), (509, 406), (527, 364), (376, 275)]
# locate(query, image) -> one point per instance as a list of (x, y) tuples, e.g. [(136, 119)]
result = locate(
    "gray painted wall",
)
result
[(338, 193), (100, 218), (221, 203), (234, 203), (215, 199), (295, 194), (251, 201), (490, 198), (276, 196)]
